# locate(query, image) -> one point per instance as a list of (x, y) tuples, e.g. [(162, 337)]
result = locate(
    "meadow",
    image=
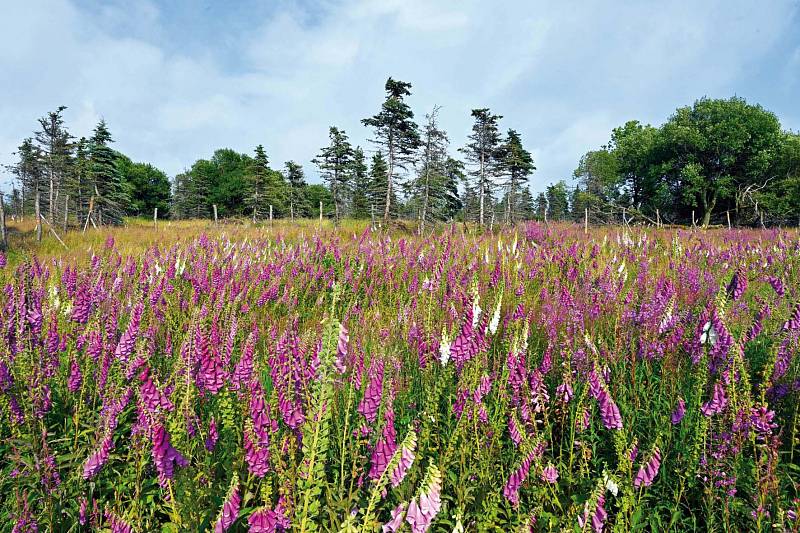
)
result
[(309, 378)]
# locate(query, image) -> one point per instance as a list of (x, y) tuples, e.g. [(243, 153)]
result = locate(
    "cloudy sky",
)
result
[(177, 79)]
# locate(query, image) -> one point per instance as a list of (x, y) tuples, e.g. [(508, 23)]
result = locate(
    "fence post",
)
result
[(728, 214), (66, 212), (585, 220), (270, 215), (155, 218), (658, 218), (215, 214), (3, 236), (320, 213), (694, 224)]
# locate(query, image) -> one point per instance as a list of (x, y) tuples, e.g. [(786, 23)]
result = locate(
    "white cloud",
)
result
[(561, 75)]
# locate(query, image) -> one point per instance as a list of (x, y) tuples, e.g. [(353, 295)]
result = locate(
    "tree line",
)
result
[(718, 161), (714, 161)]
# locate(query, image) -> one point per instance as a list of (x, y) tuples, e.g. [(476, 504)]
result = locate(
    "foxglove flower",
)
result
[(213, 435), (127, 341), (394, 524), (94, 463), (679, 412), (717, 403), (648, 471), (406, 459), (598, 517), (609, 412), (230, 508), (549, 474), (165, 456), (794, 321), (737, 286), (75, 377), (266, 520), (512, 486), (423, 509), (256, 456), (117, 524), (372, 396)]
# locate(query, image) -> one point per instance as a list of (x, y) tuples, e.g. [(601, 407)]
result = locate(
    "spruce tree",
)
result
[(55, 149), (360, 203), (334, 162), (296, 185), (259, 174), (517, 164), (110, 199), (484, 152), (396, 134)]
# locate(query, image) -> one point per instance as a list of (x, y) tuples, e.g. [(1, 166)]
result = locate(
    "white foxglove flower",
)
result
[(495, 321), (444, 349)]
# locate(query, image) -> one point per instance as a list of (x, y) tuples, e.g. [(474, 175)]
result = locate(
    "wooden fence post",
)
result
[(658, 218), (320, 213), (728, 214), (3, 236), (66, 212), (585, 220), (155, 218), (215, 214), (270, 215)]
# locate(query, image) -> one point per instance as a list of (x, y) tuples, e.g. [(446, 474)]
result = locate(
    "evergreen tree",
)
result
[(558, 201), (517, 164), (540, 206), (335, 162), (360, 203), (484, 152), (55, 149), (259, 174), (296, 185), (395, 133), (28, 170), (378, 179), (430, 188), (110, 199)]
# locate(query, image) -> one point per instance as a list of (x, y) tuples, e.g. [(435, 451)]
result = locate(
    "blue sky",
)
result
[(177, 79)]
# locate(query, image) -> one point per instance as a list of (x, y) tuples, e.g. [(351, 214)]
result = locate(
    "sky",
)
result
[(177, 79)]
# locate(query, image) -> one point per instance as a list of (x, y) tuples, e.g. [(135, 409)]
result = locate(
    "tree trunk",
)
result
[(37, 208), (482, 190)]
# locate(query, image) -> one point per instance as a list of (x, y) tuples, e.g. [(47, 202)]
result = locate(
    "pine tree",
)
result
[(396, 134), (110, 199), (360, 202), (296, 185), (517, 164), (334, 162), (484, 152)]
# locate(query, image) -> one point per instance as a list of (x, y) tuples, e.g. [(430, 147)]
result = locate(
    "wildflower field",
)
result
[(303, 379)]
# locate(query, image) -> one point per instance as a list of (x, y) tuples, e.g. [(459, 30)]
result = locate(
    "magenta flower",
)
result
[(257, 456), (397, 519), (609, 412), (117, 524), (549, 474), (75, 377), (266, 520), (165, 456), (213, 435), (717, 403), (230, 508), (372, 396), (423, 509), (406, 460), (512, 486), (127, 341), (648, 471), (95, 462), (679, 412)]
